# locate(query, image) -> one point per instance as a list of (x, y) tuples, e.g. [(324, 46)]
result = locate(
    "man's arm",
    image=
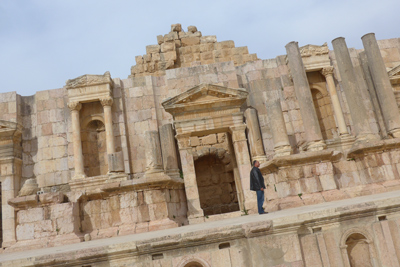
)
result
[(260, 179)]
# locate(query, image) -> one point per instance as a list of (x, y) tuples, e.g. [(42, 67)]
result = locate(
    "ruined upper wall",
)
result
[(184, 49)]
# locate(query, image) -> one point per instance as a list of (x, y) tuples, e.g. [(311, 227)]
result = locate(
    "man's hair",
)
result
[(254, 162)]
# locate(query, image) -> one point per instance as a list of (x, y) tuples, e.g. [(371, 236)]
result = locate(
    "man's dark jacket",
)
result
[(256, 179)]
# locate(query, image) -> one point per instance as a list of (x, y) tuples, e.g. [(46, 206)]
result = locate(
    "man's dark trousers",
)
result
[(260, 201)]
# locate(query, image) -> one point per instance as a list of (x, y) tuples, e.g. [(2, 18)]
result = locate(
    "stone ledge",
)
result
[(308, 157), (22, 203), (151, 181), (361, 149)]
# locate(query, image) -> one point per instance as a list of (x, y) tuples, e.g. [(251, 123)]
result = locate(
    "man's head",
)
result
[(256, 163)]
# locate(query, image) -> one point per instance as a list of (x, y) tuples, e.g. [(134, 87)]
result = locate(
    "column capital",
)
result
[(75, 106), (238, 133), (183, 141), (106, 101), (327, 71)]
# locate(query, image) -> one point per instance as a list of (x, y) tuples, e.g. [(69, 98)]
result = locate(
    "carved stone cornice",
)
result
[(106, 101), (327, 71), (74, 106), (88, 80), (314, 50)]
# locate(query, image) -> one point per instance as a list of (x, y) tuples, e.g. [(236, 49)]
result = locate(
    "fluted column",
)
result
[(312, 128), (256, 142), (328, 73), (153, 153), (168, 148), (189, 176), (244, 165), (358, 112), (75, 107), (382, 84), (277, 124), (107, 104)]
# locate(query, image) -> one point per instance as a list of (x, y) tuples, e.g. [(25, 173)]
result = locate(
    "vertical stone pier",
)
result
[(168, 148), (277, 123), (312, 128), (352, 90), (153, 153), (75, 107), (107, 104), (195, 212), (382, 84), (256, 142)]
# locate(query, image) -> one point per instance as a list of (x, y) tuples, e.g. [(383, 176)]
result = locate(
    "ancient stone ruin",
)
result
[(153, 170)]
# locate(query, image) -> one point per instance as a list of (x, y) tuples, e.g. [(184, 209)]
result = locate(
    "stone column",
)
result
[(352, 90), (75, 107), (277, 124), (107, 103), (189, 176), (244, 165), (168, 148), (153, 153), (372, 94), (303, 94), (382, 84), (256, 142), (328, 73)]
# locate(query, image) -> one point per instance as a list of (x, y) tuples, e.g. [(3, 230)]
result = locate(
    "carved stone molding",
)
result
[(75, 106), (327, 71), (314, 50), (87, 80), (106, 101)]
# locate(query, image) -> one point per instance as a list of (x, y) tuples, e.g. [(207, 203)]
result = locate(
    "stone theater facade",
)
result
[(172, 146)]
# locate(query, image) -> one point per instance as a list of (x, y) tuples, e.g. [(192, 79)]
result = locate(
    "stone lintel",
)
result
[(361, 149), (305, 158), (151, 181), (88, 88)]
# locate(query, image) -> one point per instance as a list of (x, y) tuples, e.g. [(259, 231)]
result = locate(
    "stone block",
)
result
[(147, 58), (25, 231), (327, 182), (176, 27), (116, 162), (160, 39), (167, 46), (225, 45), (30, 215), (208, 39), (152, 49), (206, 47), (139, 59), (170, 36), (168, 56), (189, 41), (209, 139)]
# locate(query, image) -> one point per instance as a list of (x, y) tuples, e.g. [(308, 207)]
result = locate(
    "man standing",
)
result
[(257, 184)]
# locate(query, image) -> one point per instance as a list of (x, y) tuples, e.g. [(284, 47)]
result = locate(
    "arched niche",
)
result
[(357, 248), (324, 110), (193, 261), (94, 148)]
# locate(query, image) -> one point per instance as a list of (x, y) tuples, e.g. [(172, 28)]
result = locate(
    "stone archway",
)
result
[(215, 181), (358, 251), (209, 109), (357, 248)]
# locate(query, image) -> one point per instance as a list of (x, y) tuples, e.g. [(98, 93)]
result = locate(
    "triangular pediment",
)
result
[(205, 96), (394, 75), (206, 93), (394, 71)]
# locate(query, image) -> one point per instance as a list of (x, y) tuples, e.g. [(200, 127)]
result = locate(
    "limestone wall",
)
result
[(179, 62)]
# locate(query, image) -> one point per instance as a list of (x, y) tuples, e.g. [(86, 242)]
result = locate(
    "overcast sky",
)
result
[(45, 42)]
